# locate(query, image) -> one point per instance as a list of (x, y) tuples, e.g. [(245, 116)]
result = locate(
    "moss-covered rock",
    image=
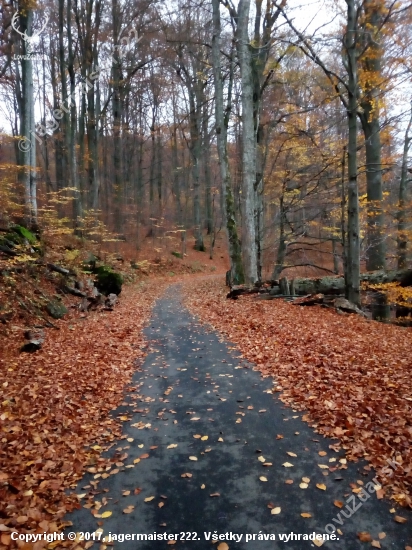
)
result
[(56, 309), (24, 234), (108, 281)]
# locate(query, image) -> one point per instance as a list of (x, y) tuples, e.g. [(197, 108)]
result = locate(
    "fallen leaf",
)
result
[(145, 455), (148, 499), (204, 438), (306, 479), (318, 542), (338, 503), (400, 519), (197, 436), (382, 535), (172, 446), (223, 546), (287, 465), (291, 454), (195, 418), (161, 504), (203, 486), (125, 493), (136, 460), (276, 511), (376, 544), (263, 478), (192, 457), (129, 509), (214, 495), (306, 515), (261, 459), (106, 514), (321, 486), (364, 536), (303, 485), (289, 481), (322, 453)]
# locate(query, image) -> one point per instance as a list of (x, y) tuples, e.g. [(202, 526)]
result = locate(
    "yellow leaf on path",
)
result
[(123, 418), (322, 453), (338, 503), (172, 446), (303, 485), (238, 421), (197, 436), (287, 465), (261, 459), (223, 546), (382, 535), (306, 515), (318, 542), (306, 479), (129, 509), (220, 439), (263, 478), (323, 466), (291, 454), (204, 438), (161, 504), (276, 511), (192, 457), (107, 514), (195, 418), (376, 544), (125, 493), (148, 499), (399, 519), (141, 446), (321, 486), (203, 486), (130, 439), (136, 460)]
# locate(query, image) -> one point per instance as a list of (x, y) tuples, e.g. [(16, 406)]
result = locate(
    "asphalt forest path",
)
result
[(243, 476)]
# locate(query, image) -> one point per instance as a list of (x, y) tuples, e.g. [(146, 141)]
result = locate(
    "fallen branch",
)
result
[(59, 269)]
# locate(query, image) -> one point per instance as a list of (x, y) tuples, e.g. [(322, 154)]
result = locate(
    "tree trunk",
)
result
[(228, 203), (371, 70), (402, 239), (249, 255), (353, 256)]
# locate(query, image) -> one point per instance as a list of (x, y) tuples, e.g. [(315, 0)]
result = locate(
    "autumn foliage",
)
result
[(55, 407), (351, 375)]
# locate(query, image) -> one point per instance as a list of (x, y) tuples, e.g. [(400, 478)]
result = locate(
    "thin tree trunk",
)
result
[(353, 260), (248, 146), (402, 240), (228, 203)]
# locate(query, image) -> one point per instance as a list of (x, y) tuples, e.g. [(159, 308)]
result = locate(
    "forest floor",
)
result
[(257, 465)]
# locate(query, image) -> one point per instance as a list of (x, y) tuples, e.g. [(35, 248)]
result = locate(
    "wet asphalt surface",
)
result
[(193, 383)]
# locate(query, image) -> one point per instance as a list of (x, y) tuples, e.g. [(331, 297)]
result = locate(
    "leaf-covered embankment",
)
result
[(351, 375), (55, 407)]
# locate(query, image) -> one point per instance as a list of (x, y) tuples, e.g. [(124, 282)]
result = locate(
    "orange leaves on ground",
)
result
[(351, 375), (55, 404)]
